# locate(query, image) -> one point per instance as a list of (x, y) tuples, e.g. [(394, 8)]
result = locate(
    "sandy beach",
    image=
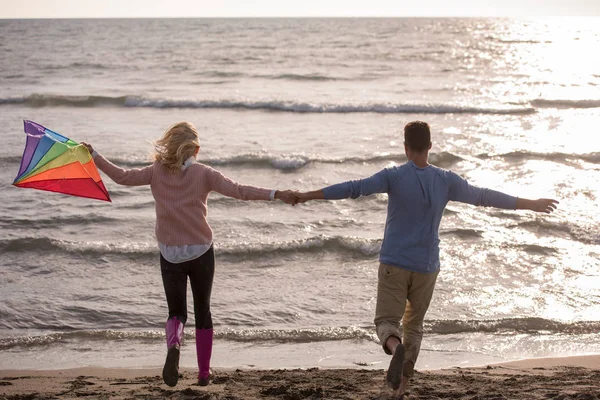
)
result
[(548, 378)]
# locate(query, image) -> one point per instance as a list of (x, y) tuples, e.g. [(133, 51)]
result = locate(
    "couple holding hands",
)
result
[(409, 259)]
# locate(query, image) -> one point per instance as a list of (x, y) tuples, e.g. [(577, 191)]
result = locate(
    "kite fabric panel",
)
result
[(55, 163)]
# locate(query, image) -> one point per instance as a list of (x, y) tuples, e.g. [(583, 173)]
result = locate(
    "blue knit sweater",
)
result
[(417, 198)]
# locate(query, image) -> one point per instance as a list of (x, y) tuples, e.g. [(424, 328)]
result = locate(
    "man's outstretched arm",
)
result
[(461, 190), (378, 183)]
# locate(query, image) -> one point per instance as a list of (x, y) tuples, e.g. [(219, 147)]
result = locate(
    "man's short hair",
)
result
[(417, 135)]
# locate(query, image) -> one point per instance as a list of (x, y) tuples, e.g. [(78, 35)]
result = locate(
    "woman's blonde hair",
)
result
[(179, 143)]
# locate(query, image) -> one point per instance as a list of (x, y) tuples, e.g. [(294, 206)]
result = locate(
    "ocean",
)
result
[(514, 105)]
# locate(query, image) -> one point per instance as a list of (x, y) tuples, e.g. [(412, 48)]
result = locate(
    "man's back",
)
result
[(417, 198)]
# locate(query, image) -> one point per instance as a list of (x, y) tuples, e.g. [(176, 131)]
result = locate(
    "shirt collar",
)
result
[(188, 162)]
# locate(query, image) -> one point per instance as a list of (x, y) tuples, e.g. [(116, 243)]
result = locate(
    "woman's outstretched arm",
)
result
[(127, 177), (227, 187)]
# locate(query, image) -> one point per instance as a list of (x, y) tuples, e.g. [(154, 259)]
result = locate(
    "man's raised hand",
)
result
[(540, 205), (544, 205)]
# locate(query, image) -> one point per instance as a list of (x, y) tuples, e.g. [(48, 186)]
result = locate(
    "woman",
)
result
[(180, 187)]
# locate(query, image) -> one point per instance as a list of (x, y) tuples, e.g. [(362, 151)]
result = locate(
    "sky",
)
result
[(292, 8)]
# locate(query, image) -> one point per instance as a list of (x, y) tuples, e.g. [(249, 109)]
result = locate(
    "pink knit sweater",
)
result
[(180, 198)]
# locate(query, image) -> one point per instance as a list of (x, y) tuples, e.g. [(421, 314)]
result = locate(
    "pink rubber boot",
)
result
[(204, 342), (174, 331)]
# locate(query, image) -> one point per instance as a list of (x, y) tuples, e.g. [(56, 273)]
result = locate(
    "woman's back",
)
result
[(180, 202)]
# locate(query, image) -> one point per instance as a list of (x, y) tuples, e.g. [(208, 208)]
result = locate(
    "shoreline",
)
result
[(576, 377)]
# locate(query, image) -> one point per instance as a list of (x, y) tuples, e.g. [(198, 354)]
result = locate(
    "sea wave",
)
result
[(517, 41), (296, 161), (47, 100), (584, 234), (356, 246), (56, 221), (14, 76), (237, 335), (565, 103), (291, 162), (533, 326), (47, 245), (7, 160), (593, 158), (292, 77), (512, 325), (304, 77), (463, 233), (538, 250), (345, 244)]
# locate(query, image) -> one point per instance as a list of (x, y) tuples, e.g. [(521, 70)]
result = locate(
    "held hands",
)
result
[(303, 197), (287, 196), (295, 197)]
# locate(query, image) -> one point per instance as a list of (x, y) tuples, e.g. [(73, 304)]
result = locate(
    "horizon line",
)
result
[(303, 17)]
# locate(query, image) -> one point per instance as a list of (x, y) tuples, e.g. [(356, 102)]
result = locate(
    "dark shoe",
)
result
[(171, 368), (394, 373), (205, 381)]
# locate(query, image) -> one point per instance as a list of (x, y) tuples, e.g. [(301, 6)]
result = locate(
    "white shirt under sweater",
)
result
[(180, 254)]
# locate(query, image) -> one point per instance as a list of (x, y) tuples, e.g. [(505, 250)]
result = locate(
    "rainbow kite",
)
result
[(55, 163)]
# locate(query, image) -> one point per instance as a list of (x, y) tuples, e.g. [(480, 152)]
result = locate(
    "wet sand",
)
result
[(558, 379)]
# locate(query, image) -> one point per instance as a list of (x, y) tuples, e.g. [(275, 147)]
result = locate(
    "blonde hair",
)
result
[(179, 143)]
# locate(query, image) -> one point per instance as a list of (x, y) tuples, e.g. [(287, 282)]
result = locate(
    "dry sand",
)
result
[(560, 378)]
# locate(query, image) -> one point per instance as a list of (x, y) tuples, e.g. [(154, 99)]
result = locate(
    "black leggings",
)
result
[(201, 271)]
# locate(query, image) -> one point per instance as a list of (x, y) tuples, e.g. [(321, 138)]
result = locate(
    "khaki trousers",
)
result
[(403, 295)]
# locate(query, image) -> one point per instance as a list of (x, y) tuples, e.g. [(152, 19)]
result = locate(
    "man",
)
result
[(409, 259)]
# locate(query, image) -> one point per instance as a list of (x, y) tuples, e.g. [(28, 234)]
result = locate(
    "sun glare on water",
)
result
[(565, 62)]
